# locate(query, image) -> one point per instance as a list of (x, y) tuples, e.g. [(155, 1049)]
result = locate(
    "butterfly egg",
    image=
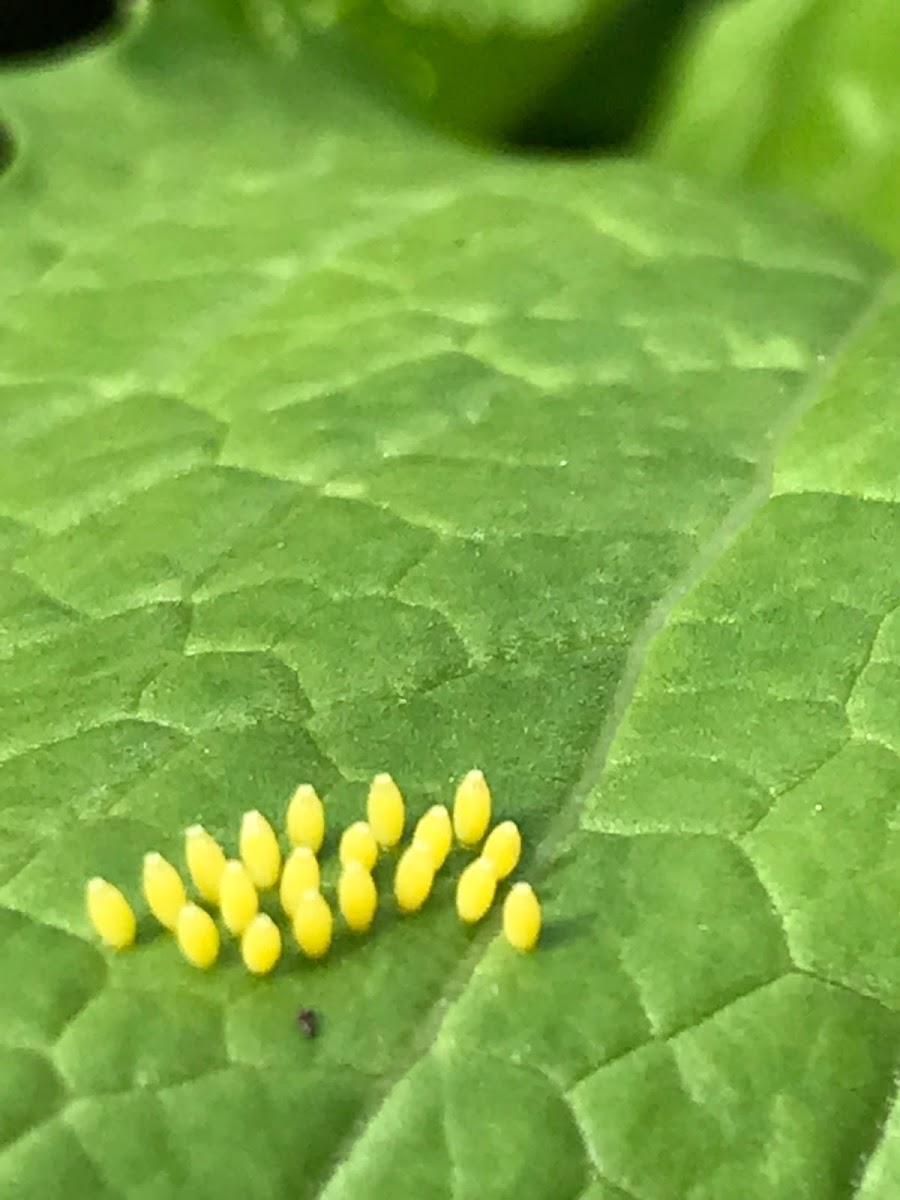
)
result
[(357, 897), (385, 811), (259, 850), (414, 877), (472, 808), (358, 844), (522, 917), (313, 924), (306, 818), (110, 914), (475, 890), (163, 889), (198, 938), (238, 900), (436, 830), (205, 862), (300, 874), (503, 848), (261, 945)]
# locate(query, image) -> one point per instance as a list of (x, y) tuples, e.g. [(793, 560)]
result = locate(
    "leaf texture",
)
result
[(329, 448)]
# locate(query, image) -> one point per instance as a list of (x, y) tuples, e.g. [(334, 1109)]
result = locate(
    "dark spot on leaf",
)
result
[(308, 1021), (7, 147)]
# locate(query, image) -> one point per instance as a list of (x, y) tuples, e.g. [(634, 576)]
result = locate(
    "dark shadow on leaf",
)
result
[(605, 97), (7, 147), (565, 930), (149, 930)]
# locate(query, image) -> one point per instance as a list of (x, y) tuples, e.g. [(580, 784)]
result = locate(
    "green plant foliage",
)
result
[(329, 447), (800, 95), (539, 73), (765, 721)]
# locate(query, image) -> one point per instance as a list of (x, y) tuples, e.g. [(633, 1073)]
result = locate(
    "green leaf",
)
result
[(764, 726), (329, 447), (476, 67), (537, 73), (802, 95)]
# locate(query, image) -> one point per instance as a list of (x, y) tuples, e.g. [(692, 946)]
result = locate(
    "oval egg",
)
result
[(261, 945), (414, 877), (522, 917), (301, 874), (313, 924), (385, 811), (110, 914), (259, 850), (238, 899), (357, 897), (436, 829), (503, 848), (306, 818), (205, 862), (472, 808), (163, 889), (358, 844), (197, 936), (475, 890)]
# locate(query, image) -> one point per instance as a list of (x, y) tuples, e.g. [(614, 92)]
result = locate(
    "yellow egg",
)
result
[(475, 890), (205, 862), (261, 945), (522, 917), (198, 938), (306, 818), (260, 850), (436, 830), (358, 844), (238, 900), (163, 890), (313, 924), (414, 877), (503, 847), (385, 812), (110, 914), (301, 874), (472, 808), (357, 897)]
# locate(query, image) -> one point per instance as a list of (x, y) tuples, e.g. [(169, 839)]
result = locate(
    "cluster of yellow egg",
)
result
[(233, 886)]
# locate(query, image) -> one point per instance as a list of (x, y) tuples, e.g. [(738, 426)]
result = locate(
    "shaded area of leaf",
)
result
[(7, 146), (578, 77), (600, 101)]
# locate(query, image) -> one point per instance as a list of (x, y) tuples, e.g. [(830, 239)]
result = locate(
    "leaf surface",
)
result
[(330, 448), (764, 727)]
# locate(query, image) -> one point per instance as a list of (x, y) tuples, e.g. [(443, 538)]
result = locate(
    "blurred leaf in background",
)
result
[(801, 96), (543, 74)]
